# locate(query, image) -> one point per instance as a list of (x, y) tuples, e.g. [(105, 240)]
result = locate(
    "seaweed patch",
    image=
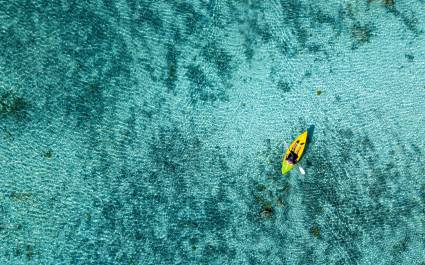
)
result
[(20, 196), (266, 210), (201, 89), (361, 34), (89, 106), (13, 105), (193, 20), (315, 231), (219, 58), (389, 2), (407, 18), (171, 57), (401, 246), (409, 57), (411, 22), (249, 48), (318, 92), (386, 3), (145, 15), (48, 153), (284, 86)]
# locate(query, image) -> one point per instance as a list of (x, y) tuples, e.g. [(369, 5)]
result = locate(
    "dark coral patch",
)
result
[(401, 246), (171, 58), (193, 20), (88, 106), (29, 252), (249, 47), (361, 34), (266, 211), (13, 105), (409, 57), (315, 231), (219, 58), (284, 86), (20, 196), (386, 3), (201, 89), (48, 153), (411, 22), (145, 15), (172, 149), (389, 2)]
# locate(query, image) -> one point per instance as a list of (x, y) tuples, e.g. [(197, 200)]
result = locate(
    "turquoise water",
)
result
[(152, 133)]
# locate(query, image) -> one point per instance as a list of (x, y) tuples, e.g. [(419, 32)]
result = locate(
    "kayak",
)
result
[(297, 147)]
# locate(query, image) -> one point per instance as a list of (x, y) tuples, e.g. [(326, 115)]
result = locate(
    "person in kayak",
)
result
[(292, 156)]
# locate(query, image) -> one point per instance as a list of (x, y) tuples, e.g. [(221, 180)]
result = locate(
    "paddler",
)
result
[(293, 154)]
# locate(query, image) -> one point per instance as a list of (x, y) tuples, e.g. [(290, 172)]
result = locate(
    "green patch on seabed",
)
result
[(13, 105)]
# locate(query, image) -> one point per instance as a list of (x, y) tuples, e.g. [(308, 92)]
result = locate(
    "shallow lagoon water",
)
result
[(152, 133)]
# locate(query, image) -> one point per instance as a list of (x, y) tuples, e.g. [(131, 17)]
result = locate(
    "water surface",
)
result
[(137, 132)]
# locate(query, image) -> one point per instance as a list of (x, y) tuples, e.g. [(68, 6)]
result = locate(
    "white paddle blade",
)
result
[(302, 170)]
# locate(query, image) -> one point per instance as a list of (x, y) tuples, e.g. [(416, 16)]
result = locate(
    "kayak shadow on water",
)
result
[(310, 131)]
